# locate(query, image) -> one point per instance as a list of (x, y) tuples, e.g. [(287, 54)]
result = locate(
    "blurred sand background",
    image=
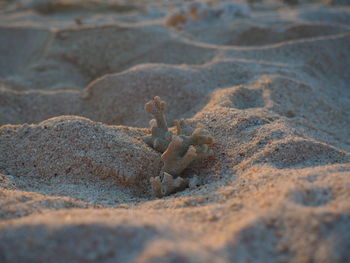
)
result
[(270, 80)]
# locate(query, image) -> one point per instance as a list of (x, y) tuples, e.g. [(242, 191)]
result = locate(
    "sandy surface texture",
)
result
[(269, 80)]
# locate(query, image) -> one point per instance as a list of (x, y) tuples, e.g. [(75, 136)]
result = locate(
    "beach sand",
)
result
[(269, 81)]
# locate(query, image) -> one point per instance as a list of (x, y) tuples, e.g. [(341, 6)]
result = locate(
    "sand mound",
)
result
[(186, 88), (75, 150), (272, 88)]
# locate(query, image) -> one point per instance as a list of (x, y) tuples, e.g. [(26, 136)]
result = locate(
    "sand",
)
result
[(268, 80)]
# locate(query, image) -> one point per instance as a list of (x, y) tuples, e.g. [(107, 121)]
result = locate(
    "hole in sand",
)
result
[(313, 196), (244, 98)]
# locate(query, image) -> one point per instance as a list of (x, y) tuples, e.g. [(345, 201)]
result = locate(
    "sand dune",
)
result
[(270, 85)]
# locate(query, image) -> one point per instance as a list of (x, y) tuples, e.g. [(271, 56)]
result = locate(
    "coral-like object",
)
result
[(184, 149), (179, 150), (166, 185), (161, 136), (182, 128)]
